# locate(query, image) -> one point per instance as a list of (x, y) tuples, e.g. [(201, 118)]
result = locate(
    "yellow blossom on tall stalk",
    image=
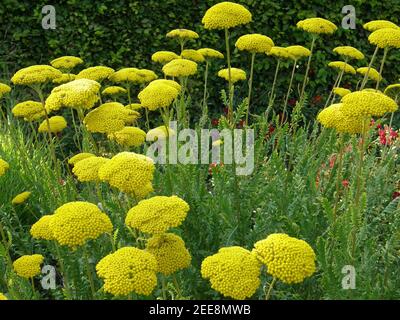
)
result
[(21, 198), (113, 91), (182, 36), (129, 137), (41, 229), (393, 91), (159, 133), (191, 54), (4, 166), (4, 89), (66, 63), (164, 57), (65, 77), (379, 24), (54, 124), (372, 74), (98, 73), (341, 91), (349, 52), (236, 74), (29, 110), (28, 266), (134, 106), (344, 67), (87, 170), (180, 68), (80, 156), (36, 75)]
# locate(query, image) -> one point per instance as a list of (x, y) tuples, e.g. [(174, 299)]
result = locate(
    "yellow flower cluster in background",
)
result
[(372, 73), (255, 43), (342, 66), (98, 73), (193, 55), (35, 75), (297, 52), (29, 110), (209, 53), (4, 166), (66, 62), (21, 197), (80, 156), (129, 137), (158, 95), (349, 52), (236, 74), (379, 24), (28, 266), (180, 68), (41, 229), (55, 124), (226, 15), (87, 169), (164, 57), (317, 26), (4, 89)]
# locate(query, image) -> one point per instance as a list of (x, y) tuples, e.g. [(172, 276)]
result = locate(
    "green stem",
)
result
[(63, 272), (338, 175), (228, 58), (271, 97), (290, 87), (308, 68), (253, 55), (268, 295), (385, 52), (365, 79), (89, 273), (334, 85), (205, 107)]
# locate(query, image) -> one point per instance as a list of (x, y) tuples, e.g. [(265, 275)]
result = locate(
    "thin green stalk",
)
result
[(268, 295), (63, 272), (253, 55), (338, 175), (365, 79), (385, 52), (205, 107), (271, 97), (89, 273), (303, 88), (228, 58), (290, 87), (334, 85)]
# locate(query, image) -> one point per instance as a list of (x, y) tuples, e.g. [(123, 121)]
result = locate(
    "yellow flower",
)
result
[(128, 270), (41, 229), (133, 75), (379, 24), (157, 214), (183, 34), (159, 133), (193, 55), (78, 157), (3, 297), (74, 223), (35, 75), (169, 251), (109, 117), (280, 52), (164, 56), (21, 198), (289, 259), (342, 66), (129, 137), (134, 106), (180, 68), (56, 124), (77, 94), (113, 90), (297, 52), (372, 74), (255, 43), (4, 166), (29, 110), (98, 73), (393, 90), (170, 83), (209, 53), (317, 26), (385, 38), (87, 169), (236, 74), (157, 95), (130, 173), (225, 15), (4, 89), (65, 77), (66, 62), (28, 266), (341, 91), (233, 271), (349, 52)]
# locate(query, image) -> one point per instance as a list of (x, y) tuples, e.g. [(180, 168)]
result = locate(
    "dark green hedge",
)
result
[(122, 33)]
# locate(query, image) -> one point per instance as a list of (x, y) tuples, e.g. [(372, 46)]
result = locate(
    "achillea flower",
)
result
[(130, 173), (133, 75), (192, 55), (226, 15), (78, 157), (341, 91), (157, 214), (56, 124), (113, 91), (183, 34), (21, 198), (35, 75), (87, 169), (164, 57), (373, 74), (233, 271), (4, 89), (146, 75), (157, 95), (3, 297), (209, 53), (134, 106), (379, 24), (4, 166), (74, 223), (98, 73), (65, 78), (159, 133), (385, 38), (129, 137), (170, 83), (77, 94), (109, 117), (66, 62), (170, 252), (280, 53), (297, 52), (343, 66), (349, 52), (236, 74), (29, 110), (254, 43), (289, 259), (180, 68), (41, 229), (317, 26), (393, 90), (128, 270), (28, 266)]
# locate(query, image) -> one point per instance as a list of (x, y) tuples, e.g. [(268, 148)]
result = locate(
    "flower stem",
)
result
[(253, 55), (268, 295), (271, 97), (205, 107), (308, 68), (369, 68), (228, 58), (385, 52), (89, 273), (290, 87)]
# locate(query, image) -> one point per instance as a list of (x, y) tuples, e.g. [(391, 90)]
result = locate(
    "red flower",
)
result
[(317, 99), (214, 165), (240, 124), (345, 183), (393, 133), (226, 110), (271, 128), (215, 122), (395, 195)]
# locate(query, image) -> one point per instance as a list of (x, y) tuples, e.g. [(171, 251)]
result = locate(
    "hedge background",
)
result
[(123, 33)]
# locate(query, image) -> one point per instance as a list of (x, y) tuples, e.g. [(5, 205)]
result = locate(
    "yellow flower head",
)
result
[(78, 157), (129, 137), (74, 223), (289, 259), (373, 74), (317, 26), (77, 94), (349, 52), (341, 65), (157, 95), (159, 133), (157, 214), (233, 271), (41, 229), (180, 68), (393, 90), (113, 91), (35, 75), (98, 73), (130, 173), (66, 62), (87, 169), (341, 91), (109, 117), (28, 266), (169, 251), (146, 75), (65, 77), (280, 53), (21, 198), (29, 110), (4, 89), (297, 52), (254, 43), (183, 34), (4, 166), (379, 24), (209, 53), (56, 124), (385, 38), (170, 83), (226, 15), (193, 55), (128, 270), (134, 106), (133, 75), (236, 74), (164, 57), (3, 297)]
